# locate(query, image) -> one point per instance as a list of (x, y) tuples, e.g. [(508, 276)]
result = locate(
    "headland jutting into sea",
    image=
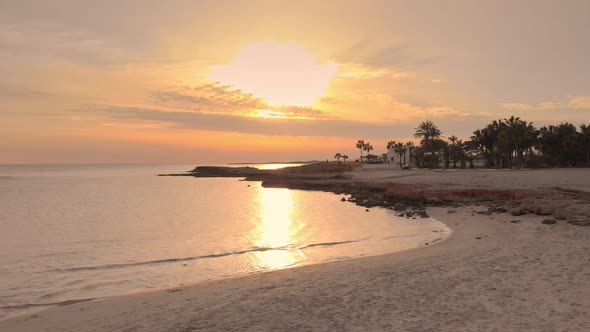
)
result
[(558, 203)]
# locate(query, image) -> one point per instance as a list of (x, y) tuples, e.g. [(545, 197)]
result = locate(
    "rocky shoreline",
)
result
[(411, 200)]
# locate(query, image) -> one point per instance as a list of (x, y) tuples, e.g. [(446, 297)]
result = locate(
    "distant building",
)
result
[(393, 158)]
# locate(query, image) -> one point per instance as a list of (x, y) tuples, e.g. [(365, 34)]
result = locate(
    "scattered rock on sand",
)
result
[(399, 207), (517, 211), (451, 211), (549, 221), (501, 209), (434, 200), (485, 213), (515, 221), (367, 210), (423, 214), (478, 238), (343, 199)]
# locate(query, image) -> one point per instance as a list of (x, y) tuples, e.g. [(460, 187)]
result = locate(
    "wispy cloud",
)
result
[(573, 103), (545, 106), (209, 98), (217, 98), (580, 103), (295, 127)]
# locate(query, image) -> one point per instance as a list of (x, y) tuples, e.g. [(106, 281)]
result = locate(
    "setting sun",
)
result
[(280, 73)]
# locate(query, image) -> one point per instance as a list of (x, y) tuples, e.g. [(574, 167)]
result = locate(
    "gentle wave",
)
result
[(32, 305), (184, 259)]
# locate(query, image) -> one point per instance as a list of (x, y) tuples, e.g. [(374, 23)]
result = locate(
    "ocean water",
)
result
[(70, 233)]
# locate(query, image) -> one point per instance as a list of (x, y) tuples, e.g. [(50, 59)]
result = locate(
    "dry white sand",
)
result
[(522, 276), (518, 277)]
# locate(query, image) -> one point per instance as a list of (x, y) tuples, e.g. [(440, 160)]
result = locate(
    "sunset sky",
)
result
[(221, 81)]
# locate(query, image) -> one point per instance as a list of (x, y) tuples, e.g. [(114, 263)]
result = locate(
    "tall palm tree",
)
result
[(360, 144), (390, 145), (453, 149), (410, 145), (427, 130), (338, 156), (428, 133), (585, 138), (368, 148), (400, 150), (345, 158)]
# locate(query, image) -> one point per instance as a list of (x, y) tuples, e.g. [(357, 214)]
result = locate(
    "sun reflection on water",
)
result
[(277, 230)]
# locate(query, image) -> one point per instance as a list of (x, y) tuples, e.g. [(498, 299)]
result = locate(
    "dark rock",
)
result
[(367, 210), (422, 214), (515, 221), (517, 211), (399, 207), (434, 200), (451, 211), (485, 213), (501, 209), (549, 221), (478, 238), (343, 199)]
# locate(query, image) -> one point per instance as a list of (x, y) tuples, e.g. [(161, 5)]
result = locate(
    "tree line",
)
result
[(504, 143)]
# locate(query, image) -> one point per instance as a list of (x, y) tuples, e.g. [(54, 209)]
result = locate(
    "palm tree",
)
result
[(585, 138), (410, 146), (428, 132), (338, 156), (400, 150), (360, 144), (453, 149), (344, 157), (390, 145), (368, 148)]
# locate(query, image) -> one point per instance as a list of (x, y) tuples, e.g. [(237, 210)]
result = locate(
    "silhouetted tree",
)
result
[(360, 144)]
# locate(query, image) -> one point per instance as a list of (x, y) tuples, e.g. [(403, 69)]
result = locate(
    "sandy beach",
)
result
[(495, 272)]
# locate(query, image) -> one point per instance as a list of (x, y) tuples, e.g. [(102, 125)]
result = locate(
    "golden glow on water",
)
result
[(277, 229)]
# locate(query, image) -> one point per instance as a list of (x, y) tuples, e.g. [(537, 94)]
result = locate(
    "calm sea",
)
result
[(79, 232)]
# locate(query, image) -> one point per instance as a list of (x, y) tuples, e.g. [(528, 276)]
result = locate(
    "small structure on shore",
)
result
[(394, 158)]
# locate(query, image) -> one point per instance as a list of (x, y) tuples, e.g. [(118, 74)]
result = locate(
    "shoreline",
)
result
[(439, 233), (472, 280), (495, 271)]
